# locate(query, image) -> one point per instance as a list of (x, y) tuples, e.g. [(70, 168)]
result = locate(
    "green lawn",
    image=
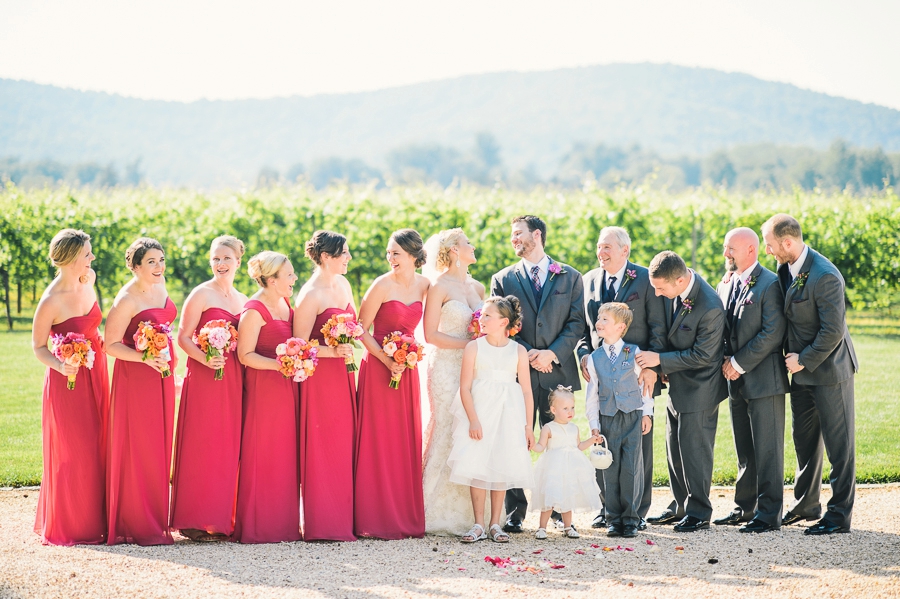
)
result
[(877, 416)]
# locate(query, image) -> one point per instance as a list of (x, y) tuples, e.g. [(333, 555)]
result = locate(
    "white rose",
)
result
[(390, 349)]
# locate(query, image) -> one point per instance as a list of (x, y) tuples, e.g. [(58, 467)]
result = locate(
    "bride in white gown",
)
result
[(451, 301)]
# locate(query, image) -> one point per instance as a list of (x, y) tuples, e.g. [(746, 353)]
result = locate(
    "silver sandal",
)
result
[(497, 534), (475, 534)]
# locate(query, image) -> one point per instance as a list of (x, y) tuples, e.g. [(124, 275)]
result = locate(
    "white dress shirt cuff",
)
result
[(736, 366)]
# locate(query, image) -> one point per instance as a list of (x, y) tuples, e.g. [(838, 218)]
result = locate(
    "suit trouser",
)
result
[(758, 427), (516, 503), (624, 478), (823, 415), (690, 440), (647, 486)]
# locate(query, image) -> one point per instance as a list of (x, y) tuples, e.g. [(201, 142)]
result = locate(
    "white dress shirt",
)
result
[(743, 277), (543, 267), (687, 291), (592, 395), (798, 264)]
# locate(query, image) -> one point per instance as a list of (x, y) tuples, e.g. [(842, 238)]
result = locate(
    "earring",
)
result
[(457, 263), (83, 279)]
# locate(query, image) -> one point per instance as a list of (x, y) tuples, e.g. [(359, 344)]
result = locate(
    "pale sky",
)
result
[(187, 49)]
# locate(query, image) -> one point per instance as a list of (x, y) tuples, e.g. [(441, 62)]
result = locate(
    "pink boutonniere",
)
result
[(555, 269), (630, 274), (751, 282), (686, 306)]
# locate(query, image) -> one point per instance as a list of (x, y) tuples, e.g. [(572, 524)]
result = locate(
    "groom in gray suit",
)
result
[(551, 295), (822, 362), (692, 361), (757, 382)]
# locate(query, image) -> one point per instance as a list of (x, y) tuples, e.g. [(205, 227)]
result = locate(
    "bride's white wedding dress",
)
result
[(448, 506)]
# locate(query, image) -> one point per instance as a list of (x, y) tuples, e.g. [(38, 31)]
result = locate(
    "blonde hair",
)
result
[(265, 265), (229, 241), (619, 312), (559, 392), (66, 245), (447, 240), (509, 308)]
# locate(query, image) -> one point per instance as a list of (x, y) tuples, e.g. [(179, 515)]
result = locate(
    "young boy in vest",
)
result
[(618, 408)]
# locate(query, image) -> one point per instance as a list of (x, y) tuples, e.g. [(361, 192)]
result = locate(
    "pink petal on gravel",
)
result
[(579, 552), (649, 542)]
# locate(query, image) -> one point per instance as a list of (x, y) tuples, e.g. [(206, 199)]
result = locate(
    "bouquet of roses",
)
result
[(404, 349), (215, 338), (474, 327), (343, 328), (152, 340), (74, 350), (298, 358)]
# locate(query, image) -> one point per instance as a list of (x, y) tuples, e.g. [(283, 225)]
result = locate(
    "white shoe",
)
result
[(541, 533), (572, 533), (559, 524)]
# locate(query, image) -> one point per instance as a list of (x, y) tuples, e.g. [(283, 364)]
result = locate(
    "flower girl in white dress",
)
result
[(564, 477), (493, 417)]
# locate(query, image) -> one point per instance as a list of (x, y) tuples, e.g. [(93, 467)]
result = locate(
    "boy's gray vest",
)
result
[(617, 382)]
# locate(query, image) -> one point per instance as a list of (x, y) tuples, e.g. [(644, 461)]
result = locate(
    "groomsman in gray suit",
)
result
[(822, 363), (551, 294), (620, 280), (757, 382), (692, 361)]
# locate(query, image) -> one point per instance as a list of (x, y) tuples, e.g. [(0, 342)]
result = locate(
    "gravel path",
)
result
[(864, 563)]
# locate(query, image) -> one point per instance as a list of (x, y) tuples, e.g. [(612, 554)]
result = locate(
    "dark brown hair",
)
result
[(325, 242), (509, 308), (412, 244), (134, 255), (668, 266), (534, 223)]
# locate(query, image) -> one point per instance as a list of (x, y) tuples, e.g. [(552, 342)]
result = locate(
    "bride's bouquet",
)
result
[(152, 340), (215, 338), (474, 327), (298, 358), (343, 328), (74, 350), (404, 349)]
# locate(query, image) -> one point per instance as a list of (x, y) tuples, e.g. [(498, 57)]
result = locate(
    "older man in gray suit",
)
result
[(692, 362), (822, 362), (620, 280), (551, 295), (757, 382)]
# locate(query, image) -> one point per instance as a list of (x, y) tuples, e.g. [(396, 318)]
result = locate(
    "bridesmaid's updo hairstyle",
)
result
[(509, 308), (229, 241), (264, 266), (447, 240), (412, 244), (134, 255), (558, 393), (66, 246), (325, 242)]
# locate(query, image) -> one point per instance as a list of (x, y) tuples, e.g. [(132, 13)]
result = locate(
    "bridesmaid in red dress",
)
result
[(328, 398), (208, 436), (72, 501), (268, 497), (142, 410), (388, 502)]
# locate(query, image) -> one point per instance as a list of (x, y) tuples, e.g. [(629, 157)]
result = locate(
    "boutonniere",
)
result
[(630, 274), (555, 269), (800, 281), (751, 281), (626, 352), (687, 306)]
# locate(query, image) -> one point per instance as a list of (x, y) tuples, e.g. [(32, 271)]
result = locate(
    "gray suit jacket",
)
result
[(695, 352), (556, 324), (755, 335), (817, 324)]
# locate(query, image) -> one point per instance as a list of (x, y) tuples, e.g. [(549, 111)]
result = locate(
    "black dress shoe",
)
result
[(791, 518), (733, 519), (691, 524), (614, 530), (667, 517), (642, 525), (825, 527), (757, 526), (629, 531), (513, 526), (599, 521)]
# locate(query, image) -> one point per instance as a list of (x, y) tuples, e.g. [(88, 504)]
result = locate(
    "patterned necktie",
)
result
[(535, 277), (612, 354)]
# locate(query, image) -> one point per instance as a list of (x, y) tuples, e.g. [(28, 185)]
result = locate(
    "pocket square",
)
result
[(558, 292), (684, 328), (633, 297), (799, 301)]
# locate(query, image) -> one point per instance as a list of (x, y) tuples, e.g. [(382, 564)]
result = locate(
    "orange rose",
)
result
[(66, 350), (161, 340), (400, 356)]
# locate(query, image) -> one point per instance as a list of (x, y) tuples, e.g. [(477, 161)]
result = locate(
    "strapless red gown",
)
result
[(268, 497), (142, 415), (72, 500), (327, 439), (208, 442), (388, 502)]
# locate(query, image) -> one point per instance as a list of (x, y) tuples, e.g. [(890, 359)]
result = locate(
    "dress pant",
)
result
[(647, 465), (624, 479), (758, 427), (823, 417), (690, 440), (516, 503)]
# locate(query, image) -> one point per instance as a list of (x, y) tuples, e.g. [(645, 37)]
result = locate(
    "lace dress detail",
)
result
[(448, 506)]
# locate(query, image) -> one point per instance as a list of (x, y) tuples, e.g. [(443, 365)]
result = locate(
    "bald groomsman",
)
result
[(692, 361), (618, 279), (822, 363), (757, 382)]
